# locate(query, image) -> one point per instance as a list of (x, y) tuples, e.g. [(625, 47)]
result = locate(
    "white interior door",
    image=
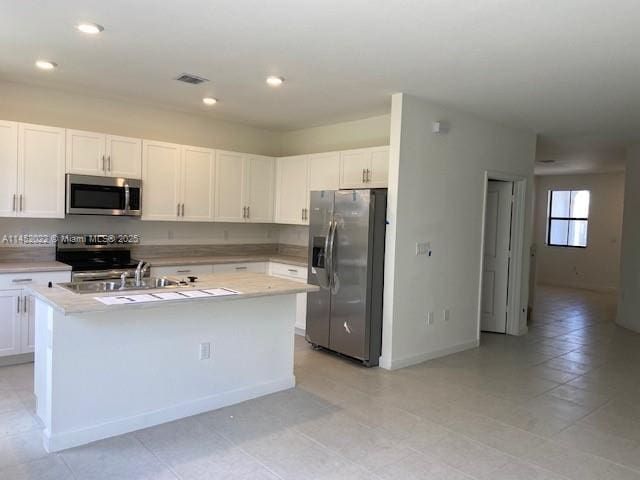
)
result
[(9, 168), (197, 183), (495, 276)]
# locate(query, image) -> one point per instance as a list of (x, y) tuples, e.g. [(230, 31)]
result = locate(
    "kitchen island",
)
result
[(105, 369)]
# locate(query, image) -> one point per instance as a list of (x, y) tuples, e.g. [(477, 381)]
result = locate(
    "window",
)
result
[(568, 218)]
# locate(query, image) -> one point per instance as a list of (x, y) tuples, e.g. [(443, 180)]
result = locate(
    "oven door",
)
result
[(90, 195)]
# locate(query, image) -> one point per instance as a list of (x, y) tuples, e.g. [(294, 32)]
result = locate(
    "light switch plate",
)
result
[(422, 248)]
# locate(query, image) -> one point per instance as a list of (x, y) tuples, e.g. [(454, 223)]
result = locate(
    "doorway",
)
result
[(498, 219)]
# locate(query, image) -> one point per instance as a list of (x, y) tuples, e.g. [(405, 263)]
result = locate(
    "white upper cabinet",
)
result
[(229, 187), (292, 190), (123, 156), (197, 183), (90, 153), (244, 187), (40, 171), (364, 168), (324, 171), (259, 189), (160, 181), (85, 153), (8, 168)]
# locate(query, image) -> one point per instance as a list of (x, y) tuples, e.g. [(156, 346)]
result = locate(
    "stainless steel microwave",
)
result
[(92, 195)]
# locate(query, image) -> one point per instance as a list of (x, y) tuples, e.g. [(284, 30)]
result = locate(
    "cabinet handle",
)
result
[(248, 211), (104, 168), (109, 163), (19, 299), (21, 202), (183, 209), (363, 175), (183, 271), (22, 280), (178, 212), (13, 209), (25, 303), (241, 268), (368, 175), (293, 270)]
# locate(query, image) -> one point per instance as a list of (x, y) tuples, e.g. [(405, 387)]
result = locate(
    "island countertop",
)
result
[(248, 284)]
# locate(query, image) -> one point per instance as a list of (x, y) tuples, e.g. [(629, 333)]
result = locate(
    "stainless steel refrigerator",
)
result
[(346, 260)]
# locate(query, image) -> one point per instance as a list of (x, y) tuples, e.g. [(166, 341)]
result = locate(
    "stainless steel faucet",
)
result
[(123, 280), (141, 269)]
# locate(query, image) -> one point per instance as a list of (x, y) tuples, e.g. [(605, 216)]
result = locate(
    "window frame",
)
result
[(569, 219)]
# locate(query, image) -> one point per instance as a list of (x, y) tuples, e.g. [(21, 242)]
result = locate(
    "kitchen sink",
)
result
[(115, 285)]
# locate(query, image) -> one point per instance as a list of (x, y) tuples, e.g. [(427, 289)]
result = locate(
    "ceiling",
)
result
[(565, 69)]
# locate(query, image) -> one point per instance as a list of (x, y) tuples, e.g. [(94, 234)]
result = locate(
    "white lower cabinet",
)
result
[(254, 267), (181, 271), (17, 315), (298, 274)]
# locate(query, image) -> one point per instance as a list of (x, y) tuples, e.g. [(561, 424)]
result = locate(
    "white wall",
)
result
[(629, 291), (26, 103), (436, 194), (597, 266), (368, 132)]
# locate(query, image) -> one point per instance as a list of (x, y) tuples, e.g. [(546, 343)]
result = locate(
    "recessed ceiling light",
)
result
[(90, 28), (209, 100), (46, 65), (275, 81)]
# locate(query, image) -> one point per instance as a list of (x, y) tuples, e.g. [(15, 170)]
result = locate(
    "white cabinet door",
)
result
[(230, 184), (41, 166), (292, 190), (260, 184), (8, 168), (28, 325), (353, 168), (379, 175), (254, 267), (123, 157), (85, 153), (324, 171), (160, 180), (10, 316), (198, 165)]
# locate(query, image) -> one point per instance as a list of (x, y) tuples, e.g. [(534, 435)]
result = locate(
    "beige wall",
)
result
[(436, 194), (629, 291), (368, 132), (31, 104), (597, 266)]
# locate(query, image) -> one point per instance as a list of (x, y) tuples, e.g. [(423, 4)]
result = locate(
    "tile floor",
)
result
[(561, 402)]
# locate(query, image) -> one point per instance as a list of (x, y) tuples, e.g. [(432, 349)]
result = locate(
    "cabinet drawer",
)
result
[(18, 280), (255, 267), (288, 271), (181, 270)]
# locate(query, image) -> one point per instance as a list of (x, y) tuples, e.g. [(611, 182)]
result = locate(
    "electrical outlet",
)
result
[(205, 351), (446, 314), (430, 318), (423, 248)]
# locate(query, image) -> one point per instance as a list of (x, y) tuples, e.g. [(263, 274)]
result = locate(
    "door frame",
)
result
[(518, 224)]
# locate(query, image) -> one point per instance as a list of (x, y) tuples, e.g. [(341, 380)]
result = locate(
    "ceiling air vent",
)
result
[(192, 79)]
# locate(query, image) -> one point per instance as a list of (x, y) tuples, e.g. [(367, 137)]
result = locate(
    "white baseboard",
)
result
[(16, 359), (397, 363), (64, 440), (300, 331)]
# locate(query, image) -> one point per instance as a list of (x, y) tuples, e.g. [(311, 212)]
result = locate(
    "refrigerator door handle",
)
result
[(330, 270)]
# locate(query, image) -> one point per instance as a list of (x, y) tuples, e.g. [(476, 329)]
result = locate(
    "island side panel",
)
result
[(117, 372)]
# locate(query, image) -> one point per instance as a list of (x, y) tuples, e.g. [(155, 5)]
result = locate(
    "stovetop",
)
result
[(82, 260)]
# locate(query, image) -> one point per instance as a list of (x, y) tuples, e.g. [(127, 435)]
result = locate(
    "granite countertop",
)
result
[(249, 284), (220, 259), (26, 267)]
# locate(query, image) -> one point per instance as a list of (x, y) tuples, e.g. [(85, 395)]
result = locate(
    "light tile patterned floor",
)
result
[(560, 402)]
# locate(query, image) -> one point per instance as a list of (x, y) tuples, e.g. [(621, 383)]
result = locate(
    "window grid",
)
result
[(551, 218)]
